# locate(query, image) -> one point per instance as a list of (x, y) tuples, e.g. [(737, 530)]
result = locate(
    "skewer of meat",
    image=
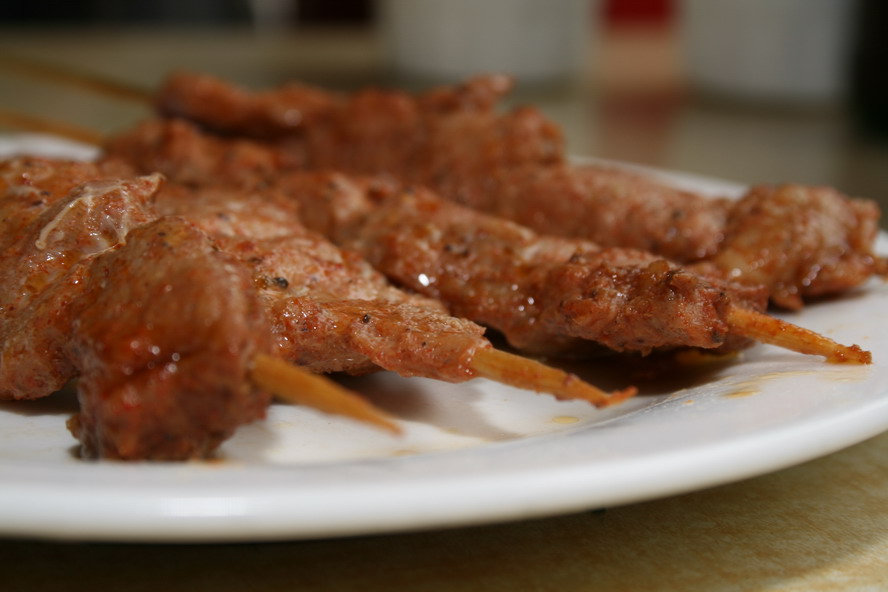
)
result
[(89, 289), (330, 311), (798, 241), (545, 294), (540, 290)]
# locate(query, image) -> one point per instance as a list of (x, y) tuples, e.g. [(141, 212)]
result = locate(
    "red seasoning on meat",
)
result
[(513, 165), (543, 293), (164, 347), (330, 311), (826, 248), (54, 235), (546, 294), (156, 323)]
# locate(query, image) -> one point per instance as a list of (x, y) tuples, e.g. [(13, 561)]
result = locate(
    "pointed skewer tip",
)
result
[(301, 387), (774, 331), (529, 374)]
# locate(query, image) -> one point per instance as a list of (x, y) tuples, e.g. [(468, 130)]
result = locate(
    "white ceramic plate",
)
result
[(472, 453)]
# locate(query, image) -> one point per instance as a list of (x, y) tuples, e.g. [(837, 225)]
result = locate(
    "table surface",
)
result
[(822, 525)]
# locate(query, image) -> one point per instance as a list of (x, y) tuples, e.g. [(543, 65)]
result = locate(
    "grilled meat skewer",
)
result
[(547, 295), (332, 312), (164, 350), (58, 275), (543, 293), (348, 317), (818, 242)]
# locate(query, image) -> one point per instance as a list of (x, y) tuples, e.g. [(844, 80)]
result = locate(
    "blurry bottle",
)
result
[(869, 70)]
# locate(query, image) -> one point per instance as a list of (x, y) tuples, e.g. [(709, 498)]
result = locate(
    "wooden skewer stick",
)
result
[(88, 81), (18, 120), (528, 374), (295, 385), (768, 329)]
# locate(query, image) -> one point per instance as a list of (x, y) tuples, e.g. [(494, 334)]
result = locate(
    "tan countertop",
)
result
[(822, 525)]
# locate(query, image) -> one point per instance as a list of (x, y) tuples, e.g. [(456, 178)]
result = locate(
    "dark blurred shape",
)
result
[(195, 12), (172, 11), (869, 69), (341, 12), (40, 12)]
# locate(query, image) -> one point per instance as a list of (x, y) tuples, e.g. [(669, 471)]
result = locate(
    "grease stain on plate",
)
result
[(565, 419)]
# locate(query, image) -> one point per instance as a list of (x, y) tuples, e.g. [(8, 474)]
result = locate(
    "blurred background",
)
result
[(746, 90)]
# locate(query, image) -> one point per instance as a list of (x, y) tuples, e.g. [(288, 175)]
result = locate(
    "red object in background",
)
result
[(640, 86), (638, 11)]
